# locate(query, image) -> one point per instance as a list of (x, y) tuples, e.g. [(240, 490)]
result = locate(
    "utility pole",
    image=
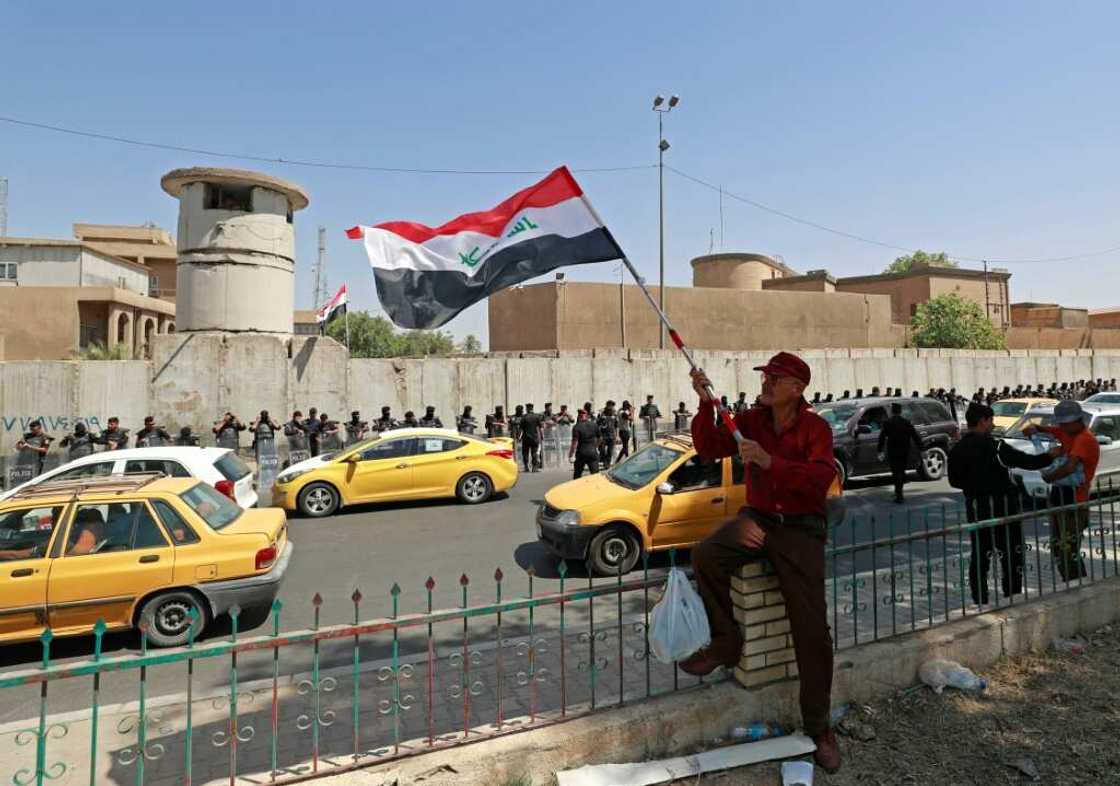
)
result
[(3, 206), (321, 294), (662, 146), (622, 302), (987, 294)]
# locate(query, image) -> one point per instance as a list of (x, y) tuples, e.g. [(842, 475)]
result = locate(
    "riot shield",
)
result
[(268, 467), (154, 440), (297, 448), (23, 467), (229, 438)]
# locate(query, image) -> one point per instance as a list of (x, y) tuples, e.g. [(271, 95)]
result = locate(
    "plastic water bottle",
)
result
[(757, 731)]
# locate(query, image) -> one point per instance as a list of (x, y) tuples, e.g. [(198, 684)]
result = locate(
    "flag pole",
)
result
[(346, 319), (724, 413)]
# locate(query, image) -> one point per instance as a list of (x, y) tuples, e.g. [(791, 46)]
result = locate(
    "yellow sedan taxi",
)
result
[(402, 464), (1010, 411), (126, 548), (663, 496)]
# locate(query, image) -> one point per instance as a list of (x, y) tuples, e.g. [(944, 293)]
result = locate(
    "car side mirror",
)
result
[(353, 458), (863, 428), (1104, 439), (665, 488)]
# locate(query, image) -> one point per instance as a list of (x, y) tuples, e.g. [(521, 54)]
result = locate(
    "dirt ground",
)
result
[(1051, 718)]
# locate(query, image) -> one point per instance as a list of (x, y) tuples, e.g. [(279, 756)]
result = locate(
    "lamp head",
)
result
[(658, 101), (673, 101)]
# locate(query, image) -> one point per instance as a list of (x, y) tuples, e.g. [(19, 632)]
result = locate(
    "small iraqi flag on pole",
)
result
[(426, 275), (332, 309)]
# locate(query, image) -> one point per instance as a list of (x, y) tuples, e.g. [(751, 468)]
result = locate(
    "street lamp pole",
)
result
[(662, 146)]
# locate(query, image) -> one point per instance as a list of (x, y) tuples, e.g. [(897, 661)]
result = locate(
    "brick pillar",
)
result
[(760, 611)]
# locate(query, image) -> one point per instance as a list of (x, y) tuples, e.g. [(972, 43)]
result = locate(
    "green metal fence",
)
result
[(293, 704)]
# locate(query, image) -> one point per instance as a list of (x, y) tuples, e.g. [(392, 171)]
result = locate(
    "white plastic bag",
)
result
[(941, 674), (678, 624)]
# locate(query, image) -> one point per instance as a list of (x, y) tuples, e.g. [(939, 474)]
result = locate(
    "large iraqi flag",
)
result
[(426, 275)]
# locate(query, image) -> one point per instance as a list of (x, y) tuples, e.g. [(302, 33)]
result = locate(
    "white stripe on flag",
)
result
[(464, 251)]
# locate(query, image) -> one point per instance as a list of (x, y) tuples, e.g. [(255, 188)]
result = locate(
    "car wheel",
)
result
[(612, 548), (933, 464), (318, 500), (169, 618), (841, 472), (474, 488)]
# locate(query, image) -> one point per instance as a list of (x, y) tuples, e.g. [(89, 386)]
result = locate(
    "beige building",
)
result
[(304, 322), (922, 283), (58, 297), (1048, 315), (150, 246)]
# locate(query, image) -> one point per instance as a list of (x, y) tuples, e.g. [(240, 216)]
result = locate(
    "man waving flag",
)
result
[(426, 275)]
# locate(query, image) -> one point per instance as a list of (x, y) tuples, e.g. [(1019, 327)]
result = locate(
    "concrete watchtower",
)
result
[(236, 250)]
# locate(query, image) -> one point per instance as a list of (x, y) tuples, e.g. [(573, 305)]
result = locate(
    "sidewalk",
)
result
[(1047, 718)]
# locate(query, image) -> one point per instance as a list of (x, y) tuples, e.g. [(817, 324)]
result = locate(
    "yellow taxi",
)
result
[(1010, 411), (663, 496), (402, 464), (126, 548)]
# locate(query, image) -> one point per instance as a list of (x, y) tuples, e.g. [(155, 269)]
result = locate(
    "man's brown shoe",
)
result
[(702, 663), (827, 755)]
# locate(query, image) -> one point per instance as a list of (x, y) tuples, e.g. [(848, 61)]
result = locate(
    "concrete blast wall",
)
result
[(193, 378)]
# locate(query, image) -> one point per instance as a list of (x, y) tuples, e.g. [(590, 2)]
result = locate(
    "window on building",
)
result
[(153, 286), (9, 271), (224, 197)]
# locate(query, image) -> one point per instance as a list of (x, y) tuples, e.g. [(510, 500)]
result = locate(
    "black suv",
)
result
[(856, 424)]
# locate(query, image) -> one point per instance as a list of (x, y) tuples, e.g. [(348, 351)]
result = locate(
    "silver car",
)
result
[(1103, 420)]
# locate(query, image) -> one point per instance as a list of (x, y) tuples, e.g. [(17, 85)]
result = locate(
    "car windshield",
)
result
[(215, 508), (837, 416), (1009, 409), (1034, 419), (643, 466)]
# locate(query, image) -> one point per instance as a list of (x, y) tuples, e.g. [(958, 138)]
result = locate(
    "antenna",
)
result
[(321, 270), (3, 206), (721, 218)]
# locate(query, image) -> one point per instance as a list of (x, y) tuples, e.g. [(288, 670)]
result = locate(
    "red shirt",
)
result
[(802, 467)]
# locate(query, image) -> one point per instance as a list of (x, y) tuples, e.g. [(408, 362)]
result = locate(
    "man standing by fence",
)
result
[(649, 414), (788, 454), (978, 467)]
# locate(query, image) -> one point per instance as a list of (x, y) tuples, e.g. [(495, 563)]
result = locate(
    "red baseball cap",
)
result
[(787, 364)]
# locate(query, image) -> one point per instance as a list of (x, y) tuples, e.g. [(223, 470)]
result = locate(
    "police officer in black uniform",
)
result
[(608, 434), (81, 442), (430, 419), (410, 420), (896, 436), (584, 450), (35, 441), (467, 422), (355, 428), (186, 439), (386, 421), (152, 435), (114, 437), (531, 434), (496, 424)]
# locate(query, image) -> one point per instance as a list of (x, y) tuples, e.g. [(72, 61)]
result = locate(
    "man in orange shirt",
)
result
[(1081, 449)]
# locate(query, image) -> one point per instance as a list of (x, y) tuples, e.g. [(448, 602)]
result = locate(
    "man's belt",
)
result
[(813, 523)]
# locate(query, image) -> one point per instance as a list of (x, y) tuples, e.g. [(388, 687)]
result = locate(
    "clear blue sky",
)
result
[(984, 129)]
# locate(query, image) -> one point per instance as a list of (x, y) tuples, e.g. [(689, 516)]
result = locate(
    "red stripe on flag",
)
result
[(559, 186), (355, 233)]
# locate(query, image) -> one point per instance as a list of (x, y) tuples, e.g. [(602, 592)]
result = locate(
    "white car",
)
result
[(220, 467), (1103, 398), (1103, 421)]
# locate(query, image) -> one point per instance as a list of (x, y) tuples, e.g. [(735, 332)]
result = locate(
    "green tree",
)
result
[(471, 345), (951, 322), (98, 351), (904, 263), (375, 337)]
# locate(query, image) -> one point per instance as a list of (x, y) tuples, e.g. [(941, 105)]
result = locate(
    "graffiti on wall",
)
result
[(51, 423)]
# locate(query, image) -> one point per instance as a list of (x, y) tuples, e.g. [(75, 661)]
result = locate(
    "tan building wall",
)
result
[(736, 271), (1049, 315), (46, 323), (819, 281), (1105, 318), (908, 290), (577, 315), (1062, 338)]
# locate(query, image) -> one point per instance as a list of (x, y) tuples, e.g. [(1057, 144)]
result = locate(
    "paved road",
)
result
[(372, 547)]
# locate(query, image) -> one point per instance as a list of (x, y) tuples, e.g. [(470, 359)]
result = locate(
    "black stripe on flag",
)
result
[(429, 299)]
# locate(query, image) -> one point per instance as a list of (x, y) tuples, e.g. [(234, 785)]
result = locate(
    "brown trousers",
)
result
[(797, 555)]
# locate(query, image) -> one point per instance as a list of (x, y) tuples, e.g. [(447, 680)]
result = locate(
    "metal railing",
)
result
[(292, 704)]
